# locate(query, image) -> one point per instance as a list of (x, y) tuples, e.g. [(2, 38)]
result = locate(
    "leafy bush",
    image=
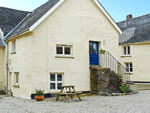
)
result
[(120, 76), (124, 88), (101, 50), (39, 92)]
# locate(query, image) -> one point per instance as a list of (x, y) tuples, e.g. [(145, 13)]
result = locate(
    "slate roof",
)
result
[(9, 18), (33, 17), (1, 43), (135, 30)]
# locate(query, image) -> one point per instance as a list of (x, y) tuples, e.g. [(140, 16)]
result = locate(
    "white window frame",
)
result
[(129, 67), (16, 78), (14, 46), (56, 81), (127, 54), (63, 46)]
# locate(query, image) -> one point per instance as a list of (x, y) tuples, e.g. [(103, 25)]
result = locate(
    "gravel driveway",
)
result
[(136, 103)]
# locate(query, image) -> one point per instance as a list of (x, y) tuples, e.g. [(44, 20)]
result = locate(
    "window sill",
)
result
[(16, 86), (128, 73), (64, 57), (14, 52), (126, 56)]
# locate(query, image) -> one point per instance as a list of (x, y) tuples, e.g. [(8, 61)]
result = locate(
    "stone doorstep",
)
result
[(118, 94)]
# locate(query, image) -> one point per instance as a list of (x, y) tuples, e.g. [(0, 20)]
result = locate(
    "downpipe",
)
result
[(6, 91)]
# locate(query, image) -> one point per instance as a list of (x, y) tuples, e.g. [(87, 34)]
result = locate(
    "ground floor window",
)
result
[(129, 67), (56, 81), (16, 78)]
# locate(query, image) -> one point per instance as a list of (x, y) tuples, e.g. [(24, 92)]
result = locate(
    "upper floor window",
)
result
[(126, 50), (64, 50), (129, 67), (14, 46)]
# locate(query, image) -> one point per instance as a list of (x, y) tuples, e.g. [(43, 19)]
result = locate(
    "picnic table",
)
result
[(69, 93)]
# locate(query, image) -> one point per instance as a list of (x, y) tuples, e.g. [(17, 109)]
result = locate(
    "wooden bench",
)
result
[(69, 93)]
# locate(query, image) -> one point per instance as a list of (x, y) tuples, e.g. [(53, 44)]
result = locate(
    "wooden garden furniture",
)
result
[(69, 93)]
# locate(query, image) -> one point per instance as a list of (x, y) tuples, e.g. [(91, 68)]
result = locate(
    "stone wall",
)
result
[(102, 79)]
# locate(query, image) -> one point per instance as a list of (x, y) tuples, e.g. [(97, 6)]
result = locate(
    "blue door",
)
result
[(93, 53)]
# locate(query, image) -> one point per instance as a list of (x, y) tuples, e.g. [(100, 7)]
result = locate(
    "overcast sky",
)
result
[(118, 9)]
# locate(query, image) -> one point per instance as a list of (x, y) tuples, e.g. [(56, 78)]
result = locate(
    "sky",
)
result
[(118, 9)]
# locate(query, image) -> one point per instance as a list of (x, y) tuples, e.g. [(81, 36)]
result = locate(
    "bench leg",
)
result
[(71, 96), (79, 97), (57, 97)]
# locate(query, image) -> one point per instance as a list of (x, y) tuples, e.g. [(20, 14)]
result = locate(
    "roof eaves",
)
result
[(7, 36), (108, 15), (18, 34)]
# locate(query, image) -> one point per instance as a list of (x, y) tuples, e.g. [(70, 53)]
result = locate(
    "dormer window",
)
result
[(126, 50)]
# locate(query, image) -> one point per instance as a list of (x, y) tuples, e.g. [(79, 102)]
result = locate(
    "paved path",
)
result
[(136, 103)]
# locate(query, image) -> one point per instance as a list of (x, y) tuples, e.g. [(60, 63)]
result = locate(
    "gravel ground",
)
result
[(136, 103)]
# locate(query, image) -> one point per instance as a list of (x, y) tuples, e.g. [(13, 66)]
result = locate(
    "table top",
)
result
[(68, 86)]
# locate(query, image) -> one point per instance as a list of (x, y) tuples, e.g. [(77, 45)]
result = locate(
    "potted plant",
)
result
[(39, 95), (102, 51)]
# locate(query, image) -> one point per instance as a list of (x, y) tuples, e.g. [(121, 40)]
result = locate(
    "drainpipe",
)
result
[(6, 92), (6, 45)]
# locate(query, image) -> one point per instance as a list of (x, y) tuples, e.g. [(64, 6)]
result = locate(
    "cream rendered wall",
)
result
[(2, 67), (140, 60), (75, 22)]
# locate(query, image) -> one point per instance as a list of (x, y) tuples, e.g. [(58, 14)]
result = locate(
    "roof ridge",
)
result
[(14, 9), (133, 18)]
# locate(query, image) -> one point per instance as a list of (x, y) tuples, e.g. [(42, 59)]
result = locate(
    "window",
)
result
[(56, 81), (63, 50), (129, 67), (126, 50), (17, 78), (14, 46)]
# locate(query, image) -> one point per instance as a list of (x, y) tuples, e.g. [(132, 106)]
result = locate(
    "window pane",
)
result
[(67, 50), (130, 65), (59, 77), (95, 48), (127, 67), (52, 86), (129, 50), (90, 48), (17, 78), (59, 50), (59, 86), (131, 69), (124, 50), (14, 48), (52, 77)]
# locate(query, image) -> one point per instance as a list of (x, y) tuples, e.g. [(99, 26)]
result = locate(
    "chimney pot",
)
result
[(129, 17)]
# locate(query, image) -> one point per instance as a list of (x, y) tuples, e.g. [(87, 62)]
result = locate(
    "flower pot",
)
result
[(102, 52), (39, 98)]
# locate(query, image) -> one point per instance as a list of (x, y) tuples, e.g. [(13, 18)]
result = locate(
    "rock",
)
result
[(114, 94)]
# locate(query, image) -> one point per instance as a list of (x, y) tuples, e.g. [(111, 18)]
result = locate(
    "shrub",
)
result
[(101, 50), (124, 88), (120, 76)]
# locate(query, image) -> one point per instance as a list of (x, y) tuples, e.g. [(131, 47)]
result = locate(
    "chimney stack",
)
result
[(129, 17)]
